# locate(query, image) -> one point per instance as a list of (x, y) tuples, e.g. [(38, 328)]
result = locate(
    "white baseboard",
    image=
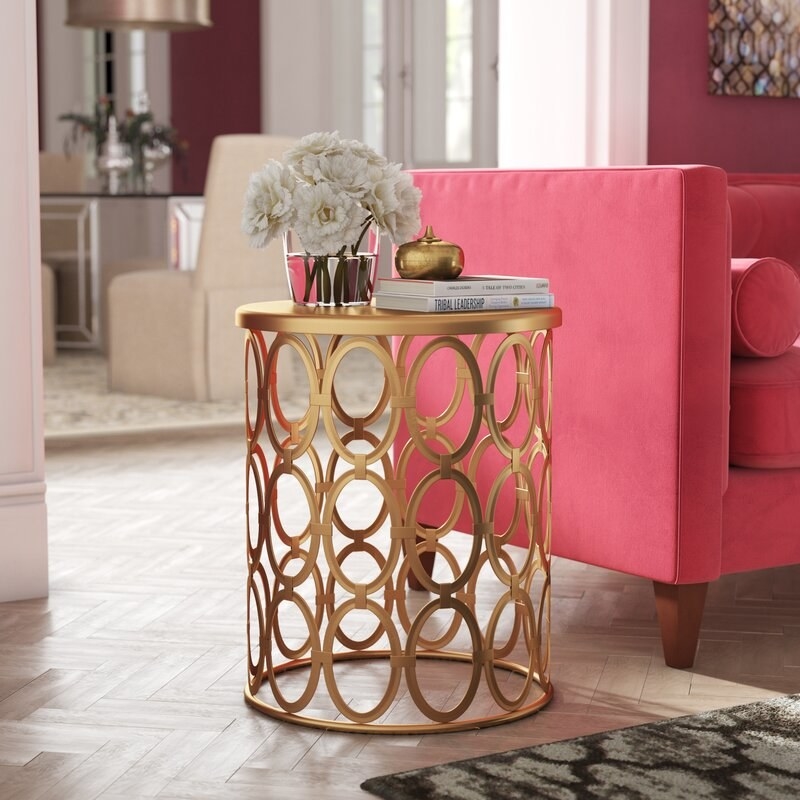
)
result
[(23, 548)]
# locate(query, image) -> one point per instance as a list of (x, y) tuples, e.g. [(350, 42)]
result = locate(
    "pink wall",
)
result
[(687, 125), (215, 85)]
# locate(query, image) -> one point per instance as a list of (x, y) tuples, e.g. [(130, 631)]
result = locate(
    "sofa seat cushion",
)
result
[(765, 307), (765, 411)]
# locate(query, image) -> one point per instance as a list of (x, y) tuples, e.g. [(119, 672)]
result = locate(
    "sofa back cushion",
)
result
[(765, 216), (765, 307)]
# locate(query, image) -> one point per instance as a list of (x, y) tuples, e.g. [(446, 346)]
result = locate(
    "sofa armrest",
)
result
[(639, 262)]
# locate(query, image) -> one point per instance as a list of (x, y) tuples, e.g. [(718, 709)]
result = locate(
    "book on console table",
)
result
[(463, 285), (470, 302)]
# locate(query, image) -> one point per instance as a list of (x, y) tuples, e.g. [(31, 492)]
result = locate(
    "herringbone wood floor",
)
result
[(127, 682)]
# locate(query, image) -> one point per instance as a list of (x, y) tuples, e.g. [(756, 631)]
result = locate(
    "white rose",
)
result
[(327, 220), (396, 207), (304, 157), (268, 206), (349, 172), (365, 151)]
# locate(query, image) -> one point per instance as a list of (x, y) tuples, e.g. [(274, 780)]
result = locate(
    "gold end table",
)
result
[(300, 580)]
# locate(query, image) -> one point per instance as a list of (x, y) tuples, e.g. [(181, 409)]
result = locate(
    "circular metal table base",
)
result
[(460, 724)]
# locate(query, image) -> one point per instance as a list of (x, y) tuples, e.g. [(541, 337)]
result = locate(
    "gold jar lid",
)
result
[(429, 257)]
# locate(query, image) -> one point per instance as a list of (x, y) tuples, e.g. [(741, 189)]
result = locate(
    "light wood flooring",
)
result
[(127, 681)]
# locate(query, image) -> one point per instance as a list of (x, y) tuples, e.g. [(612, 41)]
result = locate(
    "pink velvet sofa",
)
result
[(640, 263)]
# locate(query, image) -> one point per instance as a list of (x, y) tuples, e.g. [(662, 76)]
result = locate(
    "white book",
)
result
[(472, 302), (467, 284)]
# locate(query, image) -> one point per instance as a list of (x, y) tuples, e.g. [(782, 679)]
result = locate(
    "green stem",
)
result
[(343, 265), (369, 220), (323, 291), (309, 275), (340, 293), (362, 282)]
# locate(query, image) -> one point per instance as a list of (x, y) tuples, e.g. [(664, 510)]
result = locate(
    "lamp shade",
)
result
[(164, 15)]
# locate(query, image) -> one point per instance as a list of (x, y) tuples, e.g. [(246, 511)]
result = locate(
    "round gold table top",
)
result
[(284, 316)]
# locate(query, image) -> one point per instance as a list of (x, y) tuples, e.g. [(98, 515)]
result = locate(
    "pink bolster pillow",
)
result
[(765, 307)]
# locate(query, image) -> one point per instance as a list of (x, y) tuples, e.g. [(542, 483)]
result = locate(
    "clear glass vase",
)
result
[(331, 280)]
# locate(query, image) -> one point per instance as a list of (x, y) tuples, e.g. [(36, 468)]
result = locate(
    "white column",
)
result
[(542, 70), (572, 83), (618, 46), (23, 514)]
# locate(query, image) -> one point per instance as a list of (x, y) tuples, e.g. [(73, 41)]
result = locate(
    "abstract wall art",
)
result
[(754, 47)]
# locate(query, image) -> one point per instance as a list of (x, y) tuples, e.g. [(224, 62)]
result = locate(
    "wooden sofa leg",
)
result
[(427, 560), (680, 611)]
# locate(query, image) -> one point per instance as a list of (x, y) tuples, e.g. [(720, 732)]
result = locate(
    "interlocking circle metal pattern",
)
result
[(343, 512)]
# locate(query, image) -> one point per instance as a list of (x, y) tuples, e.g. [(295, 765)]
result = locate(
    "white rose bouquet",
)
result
[(330, 192)]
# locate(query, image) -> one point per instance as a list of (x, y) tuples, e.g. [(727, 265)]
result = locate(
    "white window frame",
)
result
[(344, 52), (401, 86)]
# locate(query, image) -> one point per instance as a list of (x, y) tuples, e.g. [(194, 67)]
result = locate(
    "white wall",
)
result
[(296, 54), (542, 83), (62, 72), (573, 81), (23, 515)]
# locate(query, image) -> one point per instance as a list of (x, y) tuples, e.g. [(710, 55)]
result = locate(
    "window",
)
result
[(115, 67), (138, 72), (372, 101), (458, 98), (427, 79), (442, 81), (99, 76)]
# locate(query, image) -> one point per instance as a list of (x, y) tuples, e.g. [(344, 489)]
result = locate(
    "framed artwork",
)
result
[(754, 47)]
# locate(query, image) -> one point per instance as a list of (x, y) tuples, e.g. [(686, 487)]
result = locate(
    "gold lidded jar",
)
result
[(429, 257)]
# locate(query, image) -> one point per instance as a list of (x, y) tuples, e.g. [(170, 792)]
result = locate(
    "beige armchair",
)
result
[(172, 333), (62, 174)]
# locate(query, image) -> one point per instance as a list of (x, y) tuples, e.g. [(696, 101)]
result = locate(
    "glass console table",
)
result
[(82, 232), (336, 535)]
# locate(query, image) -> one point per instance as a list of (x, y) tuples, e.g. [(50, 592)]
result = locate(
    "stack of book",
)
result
[(466, 293)]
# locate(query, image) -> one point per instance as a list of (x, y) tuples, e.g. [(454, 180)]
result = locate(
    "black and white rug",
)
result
[(750, 751)]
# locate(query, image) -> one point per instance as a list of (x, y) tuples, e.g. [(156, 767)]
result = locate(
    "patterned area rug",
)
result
[(78, 405), (750, 751)]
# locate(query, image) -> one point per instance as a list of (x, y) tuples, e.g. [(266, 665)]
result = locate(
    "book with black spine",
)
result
[(471, 302), (464, 285)]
